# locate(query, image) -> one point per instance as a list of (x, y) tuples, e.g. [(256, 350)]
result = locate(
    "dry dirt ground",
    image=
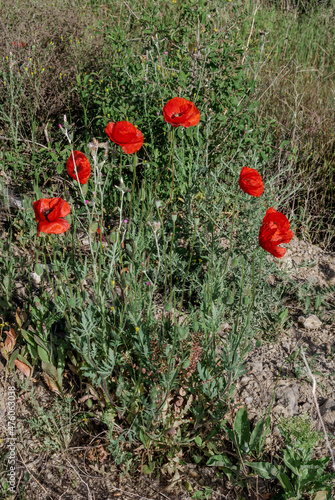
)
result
[(84, 468)]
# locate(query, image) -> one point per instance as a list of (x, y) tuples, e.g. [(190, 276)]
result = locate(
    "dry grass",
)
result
[(60, 40), (294, 68)]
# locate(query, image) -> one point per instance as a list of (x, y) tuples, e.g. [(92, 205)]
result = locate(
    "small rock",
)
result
[(312, 322), (249, 400), (36, 278), (21, 290), (286, 346), (327, 411), (257, 367), (193, 473), (288, 398), (271, 279), (245, 380), (276, 431)]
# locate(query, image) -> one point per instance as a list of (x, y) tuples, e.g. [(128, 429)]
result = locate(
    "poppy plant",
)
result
[(82, 165), (274, 230), (251, 182), (179, 111), (126, 135), (49, 213)]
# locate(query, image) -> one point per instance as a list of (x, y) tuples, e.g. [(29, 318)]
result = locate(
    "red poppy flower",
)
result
[(179, 111), (20, 44), (83, 167), (49, 213), (126, 135), (275, 230), (251, 182)]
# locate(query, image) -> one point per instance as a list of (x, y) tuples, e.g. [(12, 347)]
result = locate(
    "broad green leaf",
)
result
[(84, 188), (285, 482), (93, 227), (59, 168), (38, 269), (219, 461), (256, 435), (43, 354), (263, 469), (242, 429), (198, 441)]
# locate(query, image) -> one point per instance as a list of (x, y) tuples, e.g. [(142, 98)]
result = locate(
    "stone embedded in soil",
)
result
[(312, 322), (287, 396), (35, 278), (327, 411)]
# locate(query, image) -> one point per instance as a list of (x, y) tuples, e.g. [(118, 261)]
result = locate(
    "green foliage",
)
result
[(55, 426), (155, 295)]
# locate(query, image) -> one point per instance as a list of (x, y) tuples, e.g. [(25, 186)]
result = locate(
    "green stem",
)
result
[(133, 186), (172, 167), (188, 268), (231, 233), (172, 241)]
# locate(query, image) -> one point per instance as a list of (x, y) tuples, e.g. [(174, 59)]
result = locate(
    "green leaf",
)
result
[(256, 435), (60, 168), (198, 441), (242, 429), (145, 440), (43, 354), (38, 269), (73, 301), (84, 188), (285, 482), (263, 469), (148, 469), (263, 155), (12, 358), (49, 368), (292, 461), (40, 342), (219, 461), (284, 143), (168, 307), (93, 227)]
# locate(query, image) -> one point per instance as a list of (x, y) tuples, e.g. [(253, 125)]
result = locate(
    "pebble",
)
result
[(249, 400), (288, 398), (36, 278), (312, 322), (327, 411)]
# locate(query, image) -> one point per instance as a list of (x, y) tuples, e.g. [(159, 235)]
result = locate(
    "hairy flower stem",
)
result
[(172, 168), (188, 267), (90, 216), (133, 186), (231, 233), (163, 170), (172, 242), (254, 285), (165, 250)]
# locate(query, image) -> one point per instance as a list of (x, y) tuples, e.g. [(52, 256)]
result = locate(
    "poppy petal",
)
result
[(126, 135), (274, 230), (179, 111), (82, 165), (251, 182), (56, 227)]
